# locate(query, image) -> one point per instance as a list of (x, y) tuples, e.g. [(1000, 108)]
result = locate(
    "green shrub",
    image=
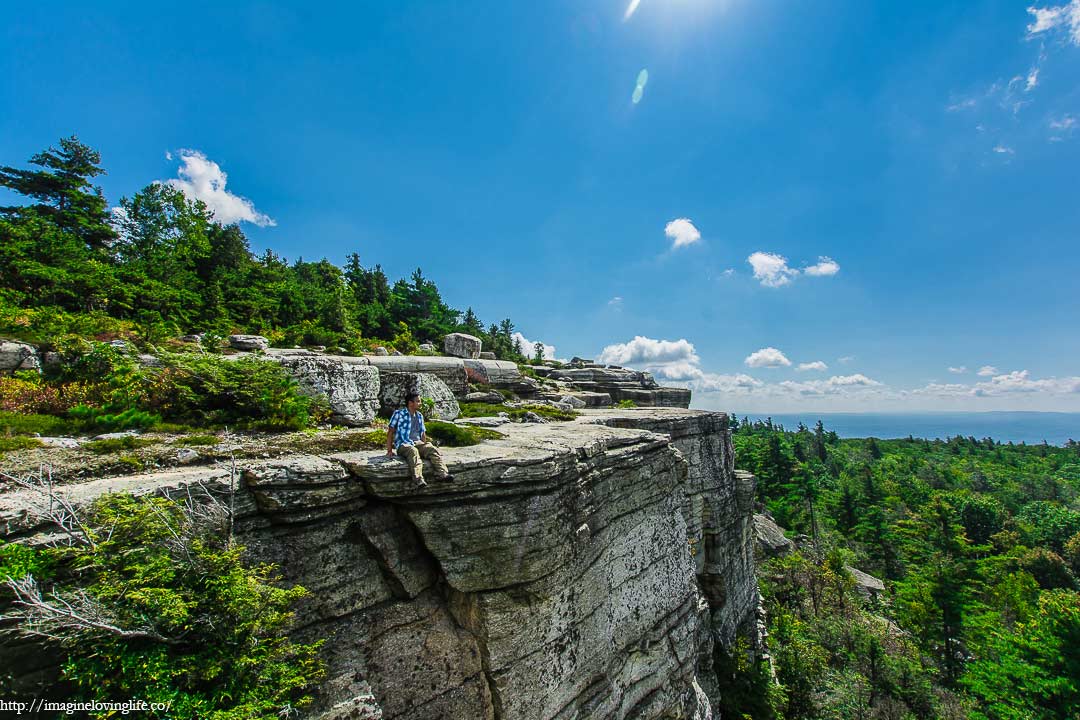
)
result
[(451, 435), (198, 440), (545, 411), (18, 442), (626, 404), (15, 423), (102, 419), (211, 633), (17, 561), (111, 445)]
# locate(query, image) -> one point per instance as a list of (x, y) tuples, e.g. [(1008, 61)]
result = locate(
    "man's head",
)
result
[(412, 401)]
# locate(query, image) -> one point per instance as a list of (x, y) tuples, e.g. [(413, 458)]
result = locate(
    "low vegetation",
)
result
[(151, 602), (516, 413)]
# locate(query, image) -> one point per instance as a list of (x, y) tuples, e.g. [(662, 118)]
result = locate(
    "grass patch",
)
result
[(452, 435), (367, 440), (28, 424), (198, 440), (545, 411), (111, 445), (18, 442), (626, 404)]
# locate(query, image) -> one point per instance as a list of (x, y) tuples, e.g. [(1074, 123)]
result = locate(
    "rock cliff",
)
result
[(586, 569)]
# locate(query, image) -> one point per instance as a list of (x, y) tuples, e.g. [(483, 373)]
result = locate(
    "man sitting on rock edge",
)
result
[(408, 436)]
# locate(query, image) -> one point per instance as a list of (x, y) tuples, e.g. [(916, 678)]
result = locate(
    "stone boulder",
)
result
[(866, 583), (462, 345), (248, 343), (351, 388), (485, 355), (491, 398), (426, 347), (381, 351), (18, 356), (394, 387), (771, 541)]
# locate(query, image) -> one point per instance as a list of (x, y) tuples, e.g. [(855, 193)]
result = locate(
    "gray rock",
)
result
[(450, 370), (865, 583), (488, 422), (771, 541), (116, 435), (248, 342), (352, 389), (381, 351), (195, 338), (149, 360), (59, 442), (531, 417), (485, 355), (17, 356), (491, 398), (574, 402), (51, 359), (396, 385), (462, 345), (426, 347), (396, 353), (318, 348), (583, 569), (119, 344), (186, 456)]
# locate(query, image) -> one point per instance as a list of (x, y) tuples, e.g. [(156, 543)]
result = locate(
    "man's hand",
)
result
[(389, 452)]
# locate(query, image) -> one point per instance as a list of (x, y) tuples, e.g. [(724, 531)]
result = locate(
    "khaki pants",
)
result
[(414, 456)]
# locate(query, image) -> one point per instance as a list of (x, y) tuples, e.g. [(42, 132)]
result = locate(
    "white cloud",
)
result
[(964, 104), (646, 351), (682, 232), (1004, 150), (631, 9), (846, 359), (203, 179), (987, 371), (816, 365), (1051, 18), (528, 347), (958, 370), (1067, 122), (771, 269), (1020, 381), (837, 384), (825, 267), (729, 272), (615, 303), (1032, 80), (768, 357)]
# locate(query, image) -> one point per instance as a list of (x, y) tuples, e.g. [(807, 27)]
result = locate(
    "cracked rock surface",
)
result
[(584, 569)]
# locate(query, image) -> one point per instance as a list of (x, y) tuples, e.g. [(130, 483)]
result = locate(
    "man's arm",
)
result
[(389, 442)]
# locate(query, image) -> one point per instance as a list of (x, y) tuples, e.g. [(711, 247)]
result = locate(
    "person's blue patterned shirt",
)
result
[(401, 421)]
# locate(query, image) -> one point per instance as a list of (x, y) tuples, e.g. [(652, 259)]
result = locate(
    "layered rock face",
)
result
[(623, 384), (573, 570)]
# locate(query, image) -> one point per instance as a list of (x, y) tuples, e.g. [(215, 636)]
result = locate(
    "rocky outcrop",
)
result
[(574, 570), (248, 343), (771, 540), (18, 356), (351, 389), (395, 386), (462, 345), (622, 384)]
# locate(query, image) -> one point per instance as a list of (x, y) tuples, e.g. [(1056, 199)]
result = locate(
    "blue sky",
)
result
[(903, 175)]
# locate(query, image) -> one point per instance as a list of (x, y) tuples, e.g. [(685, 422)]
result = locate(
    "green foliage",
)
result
[(92, 418), (18, 442), (978, 543), (198, 440), (115, 445), (169, 268), (17, 561), (12, 423), (516, 413), (626, 404), (451, 435), (202, 632)]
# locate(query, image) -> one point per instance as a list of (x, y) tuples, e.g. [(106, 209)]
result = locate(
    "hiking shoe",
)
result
[(446, 478), (420, 483)]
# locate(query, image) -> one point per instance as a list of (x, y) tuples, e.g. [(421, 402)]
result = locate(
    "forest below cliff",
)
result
[(978, 545)]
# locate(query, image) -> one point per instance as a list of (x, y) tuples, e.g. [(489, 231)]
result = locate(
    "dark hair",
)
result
[(409, 397)]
